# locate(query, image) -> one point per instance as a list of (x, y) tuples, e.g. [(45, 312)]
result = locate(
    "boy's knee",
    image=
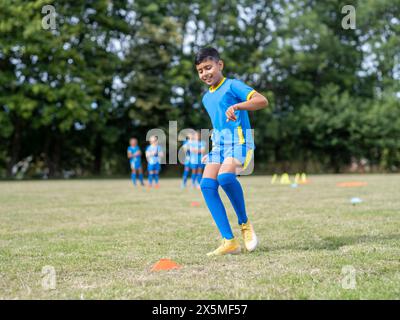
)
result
[(226, 178), (208, 183)]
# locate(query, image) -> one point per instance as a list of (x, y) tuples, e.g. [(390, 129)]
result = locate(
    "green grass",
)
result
[(102, 237)]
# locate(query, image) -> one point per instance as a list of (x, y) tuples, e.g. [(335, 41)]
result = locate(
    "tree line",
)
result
[(70, 97)]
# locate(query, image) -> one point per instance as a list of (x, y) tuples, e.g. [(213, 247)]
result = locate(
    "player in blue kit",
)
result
[(186, 165), (134, 155), (197, 149), (227, 102), (154, 153)]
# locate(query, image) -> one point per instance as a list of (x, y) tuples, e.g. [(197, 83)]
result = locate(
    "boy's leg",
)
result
[(141, 176), (133, 176), (199, 175), (150, 178), (185, 175), (209, 188), (228, 181), (194, 175), (234, 191), (156, 176)]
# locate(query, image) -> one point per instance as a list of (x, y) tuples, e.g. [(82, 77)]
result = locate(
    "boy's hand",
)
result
[(204, 158), (230, 113)]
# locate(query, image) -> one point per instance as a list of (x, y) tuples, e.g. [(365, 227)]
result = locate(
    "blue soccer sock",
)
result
[(156, 177), (141, 178), (133, 177), (150, 177), (199, 175), (194, 179), (209, 188), (185, 176), (234, 191)]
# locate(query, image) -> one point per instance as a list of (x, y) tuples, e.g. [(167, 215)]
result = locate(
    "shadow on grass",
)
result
[(330, 243)]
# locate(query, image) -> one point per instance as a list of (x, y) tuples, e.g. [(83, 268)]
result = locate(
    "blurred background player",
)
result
[(186, 165), (134, 155), (154, 153), (197, 150)]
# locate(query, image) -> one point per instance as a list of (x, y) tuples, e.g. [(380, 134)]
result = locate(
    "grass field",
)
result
[(102, 237)]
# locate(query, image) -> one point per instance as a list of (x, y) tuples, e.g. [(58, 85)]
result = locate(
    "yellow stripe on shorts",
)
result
[(240, 135), (249, 155)]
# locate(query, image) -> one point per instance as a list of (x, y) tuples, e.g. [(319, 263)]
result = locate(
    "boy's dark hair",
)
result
[(207, 53)]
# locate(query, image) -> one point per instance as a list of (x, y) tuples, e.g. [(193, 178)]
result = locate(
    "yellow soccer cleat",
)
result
[(249, 236), (231, 246)]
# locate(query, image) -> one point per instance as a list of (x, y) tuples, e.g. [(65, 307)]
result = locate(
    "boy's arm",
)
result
[(256, 102), (148, 154), (160, 153), (129, 154)]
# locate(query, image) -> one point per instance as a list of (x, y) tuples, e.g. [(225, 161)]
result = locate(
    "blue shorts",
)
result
[(187, 161), (196, 166), (240, 152), (136, 165), (153, 167)]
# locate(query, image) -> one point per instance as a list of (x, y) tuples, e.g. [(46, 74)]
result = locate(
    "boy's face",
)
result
[(153, 140), (133, 142), (210, 71)]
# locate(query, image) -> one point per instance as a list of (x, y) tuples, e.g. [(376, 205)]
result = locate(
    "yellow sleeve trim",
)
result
[(250, 94)]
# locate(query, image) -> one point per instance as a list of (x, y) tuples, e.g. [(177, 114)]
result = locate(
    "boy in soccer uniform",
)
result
[(227, 102), (134, 155), (197, 149), (186, 165), (154, 153)]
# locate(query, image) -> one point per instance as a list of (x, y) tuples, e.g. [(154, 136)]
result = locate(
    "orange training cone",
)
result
[(352, 184), (195, 204), (165, 264)]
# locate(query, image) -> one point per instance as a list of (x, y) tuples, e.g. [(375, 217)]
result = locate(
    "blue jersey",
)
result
[(217, 101), (195, 153), (134, 158), (154, 159)]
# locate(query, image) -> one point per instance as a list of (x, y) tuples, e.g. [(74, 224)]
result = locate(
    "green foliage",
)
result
[(71, 97)]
